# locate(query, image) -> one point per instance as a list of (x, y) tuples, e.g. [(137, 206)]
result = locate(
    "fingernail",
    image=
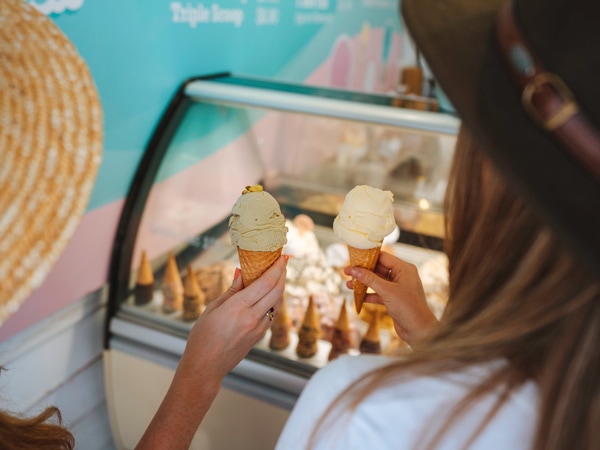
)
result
[(287, 257), (354, 272), (237, 273)]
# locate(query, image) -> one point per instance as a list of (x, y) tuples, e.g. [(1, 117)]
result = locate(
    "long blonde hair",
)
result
[(516, 293)]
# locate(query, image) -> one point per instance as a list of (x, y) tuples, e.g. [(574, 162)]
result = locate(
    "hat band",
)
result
[(546, 97)]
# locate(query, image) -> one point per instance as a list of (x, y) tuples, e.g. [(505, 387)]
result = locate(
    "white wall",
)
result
[(58, 362)]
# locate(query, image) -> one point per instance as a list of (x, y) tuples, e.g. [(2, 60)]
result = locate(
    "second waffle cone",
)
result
[(366, 258)]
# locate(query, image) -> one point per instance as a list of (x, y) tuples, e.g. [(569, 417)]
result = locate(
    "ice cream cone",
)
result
[(343, 323), (341, 340), (309, 333), (366, 258), (193, 297), (144, 287), (172, 287), (280, 329), (364, 221), (371, 341), (254, 263), (257, 228)]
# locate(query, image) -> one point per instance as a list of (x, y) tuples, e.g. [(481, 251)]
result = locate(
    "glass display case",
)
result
[(308, 147)]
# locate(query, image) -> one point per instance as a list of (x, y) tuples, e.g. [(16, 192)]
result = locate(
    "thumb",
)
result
[(368, 278)]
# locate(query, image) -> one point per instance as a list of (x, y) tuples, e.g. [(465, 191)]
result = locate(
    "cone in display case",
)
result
[(310, 332), (214, 279), (366, 258), (280, 329), (193, 297), (341, 341), (370, 342), (172, 287), (144, 286)]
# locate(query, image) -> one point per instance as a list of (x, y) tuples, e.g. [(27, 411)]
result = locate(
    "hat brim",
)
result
[(50, 148), (457, 39)]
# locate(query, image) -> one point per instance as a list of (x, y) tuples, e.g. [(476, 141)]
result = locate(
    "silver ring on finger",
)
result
[(270, 313)]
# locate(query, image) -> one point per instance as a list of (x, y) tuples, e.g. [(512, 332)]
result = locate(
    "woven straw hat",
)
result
[(50, 147), (523, 76)]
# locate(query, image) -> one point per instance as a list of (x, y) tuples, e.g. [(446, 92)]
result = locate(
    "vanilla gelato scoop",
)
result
[(366, 217), (257, 223)]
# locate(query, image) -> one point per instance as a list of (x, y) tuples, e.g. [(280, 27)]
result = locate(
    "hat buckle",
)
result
[(568, 106)]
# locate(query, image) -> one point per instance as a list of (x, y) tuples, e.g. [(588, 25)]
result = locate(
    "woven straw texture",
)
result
[(50, 147)]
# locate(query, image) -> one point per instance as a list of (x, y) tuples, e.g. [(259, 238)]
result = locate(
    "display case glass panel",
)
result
[(308, 147)]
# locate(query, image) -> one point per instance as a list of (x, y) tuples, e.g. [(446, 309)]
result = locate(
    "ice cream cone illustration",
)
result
[(310, 331), (144, 286), (370, 342), (280, 329), (257, 228), (193, 297), (365, 219), (172, 287), (341, 341)]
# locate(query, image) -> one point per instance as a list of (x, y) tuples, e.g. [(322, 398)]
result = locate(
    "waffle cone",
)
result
[(254, 263), (366, 258), (145, 275), (372, 333)]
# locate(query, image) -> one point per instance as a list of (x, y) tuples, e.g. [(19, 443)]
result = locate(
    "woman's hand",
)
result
[(231, 325), (398, 287), (221, 337)]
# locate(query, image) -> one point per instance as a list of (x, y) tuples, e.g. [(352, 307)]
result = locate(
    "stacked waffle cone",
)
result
[(193, 297), (309, 333), (172, 287), (366, 258), (280, 329), (144, 286), (341, 341), (370, 343)]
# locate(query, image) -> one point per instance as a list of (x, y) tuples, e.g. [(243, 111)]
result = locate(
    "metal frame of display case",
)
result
[(231, 90)]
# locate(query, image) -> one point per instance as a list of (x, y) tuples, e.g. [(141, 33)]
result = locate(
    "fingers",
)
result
[(268, 304), (369, 279), (235, 287), (390, 266), (271, 280), (257, 299)]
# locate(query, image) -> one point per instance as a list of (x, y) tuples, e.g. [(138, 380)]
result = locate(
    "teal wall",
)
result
[(139, 51)]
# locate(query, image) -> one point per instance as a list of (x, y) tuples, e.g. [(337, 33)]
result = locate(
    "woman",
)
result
[(229, 326), (491, 359), (221, 337), (515, 361), (219, 340)]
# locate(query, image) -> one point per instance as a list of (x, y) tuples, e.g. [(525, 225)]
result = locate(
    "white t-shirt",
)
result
[(406, 414)]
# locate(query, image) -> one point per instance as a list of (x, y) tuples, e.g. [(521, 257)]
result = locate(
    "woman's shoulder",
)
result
[(415, 407)]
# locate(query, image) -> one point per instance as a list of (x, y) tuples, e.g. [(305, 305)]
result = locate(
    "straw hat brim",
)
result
[(457, 39), (50, 148)]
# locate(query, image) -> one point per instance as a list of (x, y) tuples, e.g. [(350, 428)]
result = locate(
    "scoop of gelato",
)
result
[(257, 223), (366, 217)]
